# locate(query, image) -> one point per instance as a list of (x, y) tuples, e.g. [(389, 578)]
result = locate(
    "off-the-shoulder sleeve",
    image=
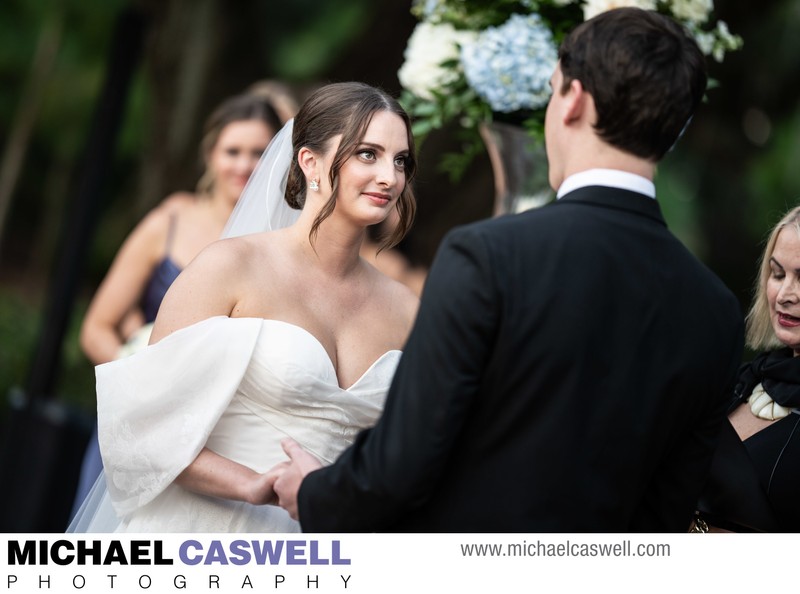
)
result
[(156, 408)]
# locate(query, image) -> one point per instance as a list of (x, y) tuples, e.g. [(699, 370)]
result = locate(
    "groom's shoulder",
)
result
[(505, 227)]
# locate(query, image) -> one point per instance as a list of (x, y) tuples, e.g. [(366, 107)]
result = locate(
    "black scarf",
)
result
[(779, 374)]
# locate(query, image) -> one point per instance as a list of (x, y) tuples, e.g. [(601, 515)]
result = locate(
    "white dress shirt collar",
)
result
[(613, 178)]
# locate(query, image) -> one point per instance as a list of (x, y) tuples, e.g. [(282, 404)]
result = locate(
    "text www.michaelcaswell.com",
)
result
[(566, 549)]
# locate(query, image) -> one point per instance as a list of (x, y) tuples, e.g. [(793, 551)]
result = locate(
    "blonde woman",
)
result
[(756, 487)]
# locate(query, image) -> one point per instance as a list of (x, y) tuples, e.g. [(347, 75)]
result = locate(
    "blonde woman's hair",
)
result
[(760, 334)]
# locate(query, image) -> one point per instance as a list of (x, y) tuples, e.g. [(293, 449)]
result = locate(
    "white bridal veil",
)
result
[(262, 207)]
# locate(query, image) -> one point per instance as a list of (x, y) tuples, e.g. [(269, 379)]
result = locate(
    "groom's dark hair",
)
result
[(645, 73)]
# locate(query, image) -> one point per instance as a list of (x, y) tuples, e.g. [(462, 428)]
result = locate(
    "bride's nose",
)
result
[(386, 174)]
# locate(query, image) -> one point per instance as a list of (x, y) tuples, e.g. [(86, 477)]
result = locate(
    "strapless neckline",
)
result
[(240, 386), (314, 340)]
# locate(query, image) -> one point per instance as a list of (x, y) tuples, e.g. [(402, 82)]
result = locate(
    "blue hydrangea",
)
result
[(510, 66)]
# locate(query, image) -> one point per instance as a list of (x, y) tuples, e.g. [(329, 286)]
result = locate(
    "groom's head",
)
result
[(645, 73)]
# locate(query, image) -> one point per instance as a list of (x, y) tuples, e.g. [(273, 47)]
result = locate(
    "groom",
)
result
[(569, 366)]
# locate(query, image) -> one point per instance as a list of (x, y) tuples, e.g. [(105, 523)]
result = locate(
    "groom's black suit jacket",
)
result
[(567, 372)]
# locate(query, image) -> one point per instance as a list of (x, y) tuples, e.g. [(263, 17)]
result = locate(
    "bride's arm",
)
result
[(210, 287), (215, 475)]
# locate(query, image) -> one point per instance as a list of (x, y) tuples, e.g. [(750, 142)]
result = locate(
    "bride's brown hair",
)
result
[(346, 109)]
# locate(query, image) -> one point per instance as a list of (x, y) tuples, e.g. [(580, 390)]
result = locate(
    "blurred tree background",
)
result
[(728, 180)]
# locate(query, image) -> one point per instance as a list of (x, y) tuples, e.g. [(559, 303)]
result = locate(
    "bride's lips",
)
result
[(379, 199), (788, 321)]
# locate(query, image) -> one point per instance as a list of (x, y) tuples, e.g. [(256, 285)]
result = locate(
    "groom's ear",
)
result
[(577, 102)]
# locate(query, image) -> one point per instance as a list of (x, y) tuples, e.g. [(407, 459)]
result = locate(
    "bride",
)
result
[(279, 330)]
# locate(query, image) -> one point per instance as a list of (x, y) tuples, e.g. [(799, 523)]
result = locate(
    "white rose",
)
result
[(594, 7), (695, 11), (429, 46)]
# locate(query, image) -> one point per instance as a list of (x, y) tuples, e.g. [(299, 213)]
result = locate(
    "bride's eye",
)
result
[(366, 154)]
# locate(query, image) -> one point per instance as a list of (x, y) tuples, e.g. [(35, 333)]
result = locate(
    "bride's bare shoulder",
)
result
[(241, 250)]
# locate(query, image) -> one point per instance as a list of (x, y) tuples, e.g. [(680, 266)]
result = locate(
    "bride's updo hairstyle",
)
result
[(347, 109)]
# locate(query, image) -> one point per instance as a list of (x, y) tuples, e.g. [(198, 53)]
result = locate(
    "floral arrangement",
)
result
[(474, 61)]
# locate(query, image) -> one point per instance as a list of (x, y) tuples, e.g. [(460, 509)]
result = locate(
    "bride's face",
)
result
[(371, 180)]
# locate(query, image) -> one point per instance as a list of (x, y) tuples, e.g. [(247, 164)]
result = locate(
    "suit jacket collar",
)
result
[(615, 198)]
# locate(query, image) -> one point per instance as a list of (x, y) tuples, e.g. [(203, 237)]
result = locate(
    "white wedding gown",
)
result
[(237, 386)]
